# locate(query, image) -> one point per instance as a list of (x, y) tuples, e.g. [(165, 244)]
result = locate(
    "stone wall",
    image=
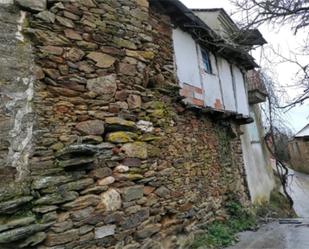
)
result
[(299, 154), (116, 160)]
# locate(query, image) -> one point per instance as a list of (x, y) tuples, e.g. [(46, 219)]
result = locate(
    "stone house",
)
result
[(229, 88), (121, 123), (299, 150)]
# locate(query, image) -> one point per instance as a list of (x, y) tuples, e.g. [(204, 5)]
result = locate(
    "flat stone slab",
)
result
[(21, 233), (9, 207)]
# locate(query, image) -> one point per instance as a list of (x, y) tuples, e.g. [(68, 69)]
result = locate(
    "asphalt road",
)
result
[(284, 236), (276, 236), (298, 188)]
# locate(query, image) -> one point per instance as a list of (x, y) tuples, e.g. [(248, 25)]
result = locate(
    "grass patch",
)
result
[(278, 207), (222, 234)]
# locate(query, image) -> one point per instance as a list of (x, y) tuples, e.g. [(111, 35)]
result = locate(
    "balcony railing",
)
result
[(257, 92)]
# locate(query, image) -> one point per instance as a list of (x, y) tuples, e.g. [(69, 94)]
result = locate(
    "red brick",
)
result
[(197, 102), (198, 90), (218, 104)]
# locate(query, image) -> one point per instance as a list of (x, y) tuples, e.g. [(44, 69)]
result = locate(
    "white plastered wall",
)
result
[(257, 161), (218, 87), (186, 58), (241, 92), (227, 84), (211, 82)]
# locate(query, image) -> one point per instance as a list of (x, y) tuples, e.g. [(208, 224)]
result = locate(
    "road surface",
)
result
[(298, 188), (276, 236), (284, 236)]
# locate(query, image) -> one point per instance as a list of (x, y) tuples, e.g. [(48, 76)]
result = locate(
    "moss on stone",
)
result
[(136, 149), (121, 137)]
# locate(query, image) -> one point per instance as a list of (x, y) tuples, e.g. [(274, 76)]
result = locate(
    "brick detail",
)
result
[(193, 94), (218, 104), (197, 102)]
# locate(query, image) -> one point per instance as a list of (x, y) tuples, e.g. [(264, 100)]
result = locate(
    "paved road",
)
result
[(284, 236), (299, 191), (276, 236)]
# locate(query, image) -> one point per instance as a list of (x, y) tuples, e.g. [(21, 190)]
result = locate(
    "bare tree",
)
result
[(276, 128), (293, 13), (281, 12)]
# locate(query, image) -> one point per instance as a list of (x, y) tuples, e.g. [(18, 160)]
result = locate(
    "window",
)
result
[(206, 61)]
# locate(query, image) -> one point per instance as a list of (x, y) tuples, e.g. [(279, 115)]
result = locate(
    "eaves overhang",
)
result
[(185, 19)]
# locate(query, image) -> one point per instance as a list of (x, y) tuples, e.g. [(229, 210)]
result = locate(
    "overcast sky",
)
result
[(283, 39)]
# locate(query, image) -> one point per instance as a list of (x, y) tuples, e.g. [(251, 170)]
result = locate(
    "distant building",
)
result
[(299, 150)]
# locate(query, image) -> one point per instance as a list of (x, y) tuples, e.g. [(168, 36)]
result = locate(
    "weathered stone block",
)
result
[(65, 22), (162, 192), (137, 149), (82, 214), (110, 200), (48, 181), (132, 162), (100, 173), (148, 231), (82, 202), (77, 185), (56, 198), (119, 124), (21, 233), (62, 238), (75, 163), (46, 16), (132, 193), (33, 5), (52, 50), (60, 227), (134, 101), (75, 54), (18, 222), (9, 207), (76, 150), (121, 169), (101, 232), (106, 181), (104, 86), (102, 60), (91, 127), (135, 219), (33, 240), (145, 126), (123, 43), (127, 69), (121, 137), (94, 190), (140, 55), (49, 217), (44, 209), (73, 35)]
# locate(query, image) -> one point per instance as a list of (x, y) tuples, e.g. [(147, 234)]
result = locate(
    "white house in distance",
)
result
[(212, 61)]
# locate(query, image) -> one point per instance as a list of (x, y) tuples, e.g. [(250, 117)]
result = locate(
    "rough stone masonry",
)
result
[(97, 149)]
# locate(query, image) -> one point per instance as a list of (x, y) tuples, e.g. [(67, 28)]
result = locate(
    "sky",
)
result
[(281, 39)]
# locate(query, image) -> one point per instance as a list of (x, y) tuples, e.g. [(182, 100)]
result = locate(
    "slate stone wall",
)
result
[(116, 160)]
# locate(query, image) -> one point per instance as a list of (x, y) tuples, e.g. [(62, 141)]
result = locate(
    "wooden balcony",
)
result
[(257, 92)]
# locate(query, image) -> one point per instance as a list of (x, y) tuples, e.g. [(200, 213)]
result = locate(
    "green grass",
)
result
[(278, 207), (222, 234)]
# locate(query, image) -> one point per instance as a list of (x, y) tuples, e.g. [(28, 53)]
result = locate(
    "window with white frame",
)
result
[(206, 61)]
